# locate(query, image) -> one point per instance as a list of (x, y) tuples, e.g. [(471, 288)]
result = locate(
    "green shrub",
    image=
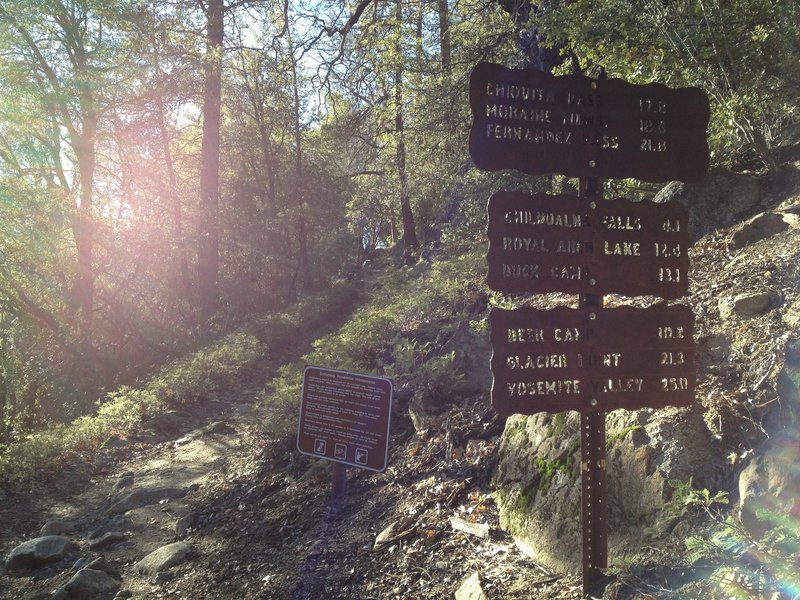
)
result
[(208, 370), (385, 335), (724, 553)]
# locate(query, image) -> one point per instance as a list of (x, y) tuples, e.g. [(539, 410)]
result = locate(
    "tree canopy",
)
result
[(171, 168)]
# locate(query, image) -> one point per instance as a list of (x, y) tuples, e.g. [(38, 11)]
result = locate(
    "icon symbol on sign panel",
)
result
[(340, 451), (319, 446), (361, 456)]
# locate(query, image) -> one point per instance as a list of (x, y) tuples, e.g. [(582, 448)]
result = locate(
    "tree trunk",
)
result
[(302, 234), (410, 243), (444, 34), (208, 228), (85, 155), (182, 258), (257, 100), (269, 165)]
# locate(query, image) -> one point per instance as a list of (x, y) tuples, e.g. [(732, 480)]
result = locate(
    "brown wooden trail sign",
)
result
[(561, 243), (581, 127), (345, 417), (591, 359)]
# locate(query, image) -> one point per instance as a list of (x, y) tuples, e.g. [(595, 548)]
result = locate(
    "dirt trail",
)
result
[(258, 516), (141, 487), (157, 478)]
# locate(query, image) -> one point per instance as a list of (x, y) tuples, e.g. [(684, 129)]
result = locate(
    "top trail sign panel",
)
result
[(581, 127)]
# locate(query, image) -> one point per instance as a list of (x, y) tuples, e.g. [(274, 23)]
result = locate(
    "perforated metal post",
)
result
[(594, 495)]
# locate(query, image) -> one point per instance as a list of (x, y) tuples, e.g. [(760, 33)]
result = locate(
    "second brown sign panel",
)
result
[(560, 243)]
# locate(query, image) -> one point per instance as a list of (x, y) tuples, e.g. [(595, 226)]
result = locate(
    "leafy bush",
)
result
[(730, 559), (437, 378), (208, 370)]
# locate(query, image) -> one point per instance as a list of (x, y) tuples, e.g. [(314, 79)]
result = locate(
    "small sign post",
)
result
[(345, 418), (591, 359), (594, 487)]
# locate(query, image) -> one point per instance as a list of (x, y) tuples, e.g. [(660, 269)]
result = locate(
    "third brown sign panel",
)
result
[(591, 359)]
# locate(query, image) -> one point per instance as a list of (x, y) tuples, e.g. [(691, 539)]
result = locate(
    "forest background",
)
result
[(172, 169)]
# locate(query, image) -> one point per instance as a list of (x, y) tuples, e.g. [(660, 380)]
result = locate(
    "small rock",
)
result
[(163, 558), (168, 422), (422, 417), (38, 552), (386, 535), (55, 527), (756, 229), (79, 564), (396, 530), (746, 305), (163, 577), (187, 522), (108, 540), (189, 437), (88, 584), (101, 564), (115, 523), (470, 589), (144, 497), (792, 219), (480, 530), (218, 427), (791, 316), (125, 480)]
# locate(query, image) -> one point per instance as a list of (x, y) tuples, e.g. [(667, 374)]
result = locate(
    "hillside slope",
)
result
[(220, 486)]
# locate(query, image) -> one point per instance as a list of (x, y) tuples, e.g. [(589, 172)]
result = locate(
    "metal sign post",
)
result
[(594, 493), (594, 498)]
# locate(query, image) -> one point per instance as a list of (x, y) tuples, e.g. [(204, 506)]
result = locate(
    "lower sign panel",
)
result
[(345, 417), (591, 359)]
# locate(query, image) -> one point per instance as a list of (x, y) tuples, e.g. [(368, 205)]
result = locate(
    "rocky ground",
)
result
[(203, 505), (194, 510)]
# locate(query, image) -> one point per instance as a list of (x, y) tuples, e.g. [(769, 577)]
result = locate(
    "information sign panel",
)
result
[(345, 417), (538, 123), (561, 243), (591, 359)]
